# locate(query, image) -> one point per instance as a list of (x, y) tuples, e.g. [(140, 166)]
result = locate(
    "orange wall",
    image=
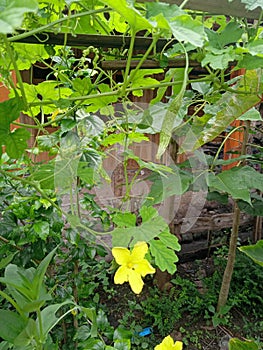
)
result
[(4, 92)]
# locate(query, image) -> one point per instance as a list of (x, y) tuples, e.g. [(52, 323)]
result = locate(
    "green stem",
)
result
[(125, 165), (41, 331), (51, 122), (117, 92), (17, 72), (128, 66), (58, 21), (183, 4), (223, 143), (142, 60)]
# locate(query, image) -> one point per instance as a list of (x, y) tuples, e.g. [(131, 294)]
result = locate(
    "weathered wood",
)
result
[(121, 64), (223, 7), (210, 223)]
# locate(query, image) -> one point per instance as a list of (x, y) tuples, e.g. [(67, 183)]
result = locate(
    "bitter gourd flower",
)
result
[(169, 344), (133, 266)]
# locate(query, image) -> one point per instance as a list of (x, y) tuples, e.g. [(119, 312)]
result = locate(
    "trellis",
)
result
[(213, 7)]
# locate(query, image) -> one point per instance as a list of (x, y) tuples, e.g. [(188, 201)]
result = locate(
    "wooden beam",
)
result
[(99, 41), (121, 64), (217, 7)]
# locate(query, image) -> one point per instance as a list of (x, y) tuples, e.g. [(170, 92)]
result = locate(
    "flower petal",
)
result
[(168, 344), (121, 275), (121, 255), (135, 281), (139, 251), (143, 267), (178, 345)]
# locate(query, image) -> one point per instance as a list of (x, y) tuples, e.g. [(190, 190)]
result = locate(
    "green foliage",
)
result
[(92, 109), (237, 344), (12, 14), (255, 252), (246, 177), (26, 292)]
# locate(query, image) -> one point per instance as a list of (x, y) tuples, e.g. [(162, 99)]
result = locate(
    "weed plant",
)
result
[(184, 307)]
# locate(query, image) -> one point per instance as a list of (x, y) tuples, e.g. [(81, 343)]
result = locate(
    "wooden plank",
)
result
[(209, 223), (96, 40), (121, 64), (222, 7)]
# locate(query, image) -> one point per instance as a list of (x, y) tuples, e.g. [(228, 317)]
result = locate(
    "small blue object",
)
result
[(145, 331)]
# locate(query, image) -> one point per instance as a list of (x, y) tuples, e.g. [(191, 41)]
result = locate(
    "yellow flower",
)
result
[(133, 266), (169, 344)]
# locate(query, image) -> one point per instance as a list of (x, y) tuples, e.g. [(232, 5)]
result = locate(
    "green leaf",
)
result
[(152, 225), (230, 107), (188, 30), (87, 174), (42, 229), (165, 186), (90, 313), (252, 114), (236, 344), (10, 111), (237, 182), (66, 165), (219, 58), (18, 281), (102, 103), (175, 74), (250, 62), (39, 275), (5, 261), (124, 219), (11, 325), (74, 220), (44, 175), (51, 91), (24, 339), (170, 240), (49, 318), (16, 142), (230, 34), (252, 4), (89, 125), (255, 252), (171, 115), (82, 86), (122, 138), (4, 345), (122, 333), (129, 13), (122, 344), (161, 14), (165, 258), (12, 13), (140, 79), (28, 54), (156, 114), (257, 206), (255, 47)]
